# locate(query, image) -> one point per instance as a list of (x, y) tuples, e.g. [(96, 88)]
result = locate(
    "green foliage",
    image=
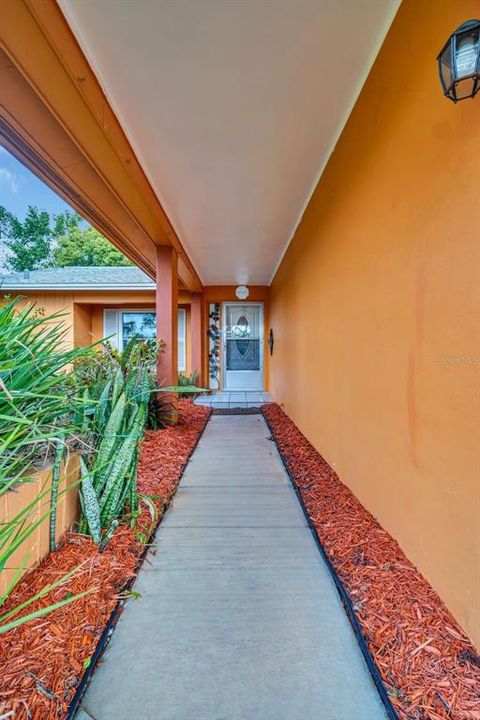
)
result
[(120, 387), (57, 465), (188, 385), (42, 240), (101, 406), (184, 390), (185, 380), (96, 369), (36, 398), (89, 503), (6, 621), (5, 219), (36, 402), (86, 247), (28, 240)]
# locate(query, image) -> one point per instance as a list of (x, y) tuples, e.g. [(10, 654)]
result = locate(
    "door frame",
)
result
[(252, 303)]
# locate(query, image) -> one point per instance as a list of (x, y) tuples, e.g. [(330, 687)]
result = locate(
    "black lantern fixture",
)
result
[(459, 62), (271, 341)]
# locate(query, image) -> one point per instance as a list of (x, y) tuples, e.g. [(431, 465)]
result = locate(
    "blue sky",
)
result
[(20, 188)]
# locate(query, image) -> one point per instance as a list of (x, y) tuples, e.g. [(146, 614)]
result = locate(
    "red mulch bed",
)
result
[(42, 662), (427, 663)]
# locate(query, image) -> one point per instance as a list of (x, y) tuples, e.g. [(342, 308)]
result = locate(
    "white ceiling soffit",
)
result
[(233, 108)]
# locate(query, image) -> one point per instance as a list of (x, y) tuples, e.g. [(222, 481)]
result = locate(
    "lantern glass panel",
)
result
[(466, 54), (465, 88), (446, 67)]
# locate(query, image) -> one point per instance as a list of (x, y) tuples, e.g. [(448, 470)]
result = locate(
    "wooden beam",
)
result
[(166, 303), (196, 334), (60, 164)]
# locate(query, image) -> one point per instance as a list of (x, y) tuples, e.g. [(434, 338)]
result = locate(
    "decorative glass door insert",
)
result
[(242, 334)]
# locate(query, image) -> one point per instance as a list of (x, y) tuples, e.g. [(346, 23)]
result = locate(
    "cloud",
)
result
[(8, 178), (2, 150)]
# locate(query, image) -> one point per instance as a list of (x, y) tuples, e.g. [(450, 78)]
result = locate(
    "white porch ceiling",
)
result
[(233, 108)]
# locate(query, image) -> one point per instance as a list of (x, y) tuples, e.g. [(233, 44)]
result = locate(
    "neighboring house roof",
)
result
[(78, 278)]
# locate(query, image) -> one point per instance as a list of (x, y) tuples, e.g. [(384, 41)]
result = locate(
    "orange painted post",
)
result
[(166, 299), (196, 334)]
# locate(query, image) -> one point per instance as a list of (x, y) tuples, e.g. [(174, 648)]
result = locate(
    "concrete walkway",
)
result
[(228, 399), (239, 619)]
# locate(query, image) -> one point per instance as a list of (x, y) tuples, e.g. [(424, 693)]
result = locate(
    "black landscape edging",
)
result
[(237, 411), (117, 610), (374, 672)]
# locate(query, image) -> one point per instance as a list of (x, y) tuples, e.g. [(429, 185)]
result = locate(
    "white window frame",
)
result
[(120, 322), (117, 339), (182, 340)]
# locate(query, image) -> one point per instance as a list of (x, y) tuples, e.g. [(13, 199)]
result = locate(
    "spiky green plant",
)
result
[(36, 401), (184, 390), (35, 396), (57, 466), (188, 385), (109, 474)]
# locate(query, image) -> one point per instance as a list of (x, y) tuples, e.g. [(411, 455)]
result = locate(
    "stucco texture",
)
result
[(376, 308)]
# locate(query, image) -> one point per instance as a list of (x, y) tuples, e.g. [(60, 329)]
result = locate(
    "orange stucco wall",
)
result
[(376, 308), (82, 325), (36, 546), (82, 311), (61, 302)]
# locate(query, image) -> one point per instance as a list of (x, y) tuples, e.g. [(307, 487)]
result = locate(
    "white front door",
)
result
[(242, 346)]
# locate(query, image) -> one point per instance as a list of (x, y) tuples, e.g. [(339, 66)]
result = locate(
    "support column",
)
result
[(166, 302), (196, 334)]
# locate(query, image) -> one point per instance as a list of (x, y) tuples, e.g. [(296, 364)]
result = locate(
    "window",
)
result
[(121, 325), (139, 324), (182, 340)]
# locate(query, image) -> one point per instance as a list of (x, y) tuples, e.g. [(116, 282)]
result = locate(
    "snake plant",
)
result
[(109, 475)]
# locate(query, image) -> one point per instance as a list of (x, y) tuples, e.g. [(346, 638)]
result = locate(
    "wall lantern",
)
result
[(458, 62), (271, 341), (242, 292)]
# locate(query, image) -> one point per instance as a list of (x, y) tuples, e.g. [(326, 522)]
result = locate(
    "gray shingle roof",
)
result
[(79, 278)]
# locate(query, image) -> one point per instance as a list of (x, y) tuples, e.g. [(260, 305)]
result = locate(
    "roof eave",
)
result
[(30, 288)]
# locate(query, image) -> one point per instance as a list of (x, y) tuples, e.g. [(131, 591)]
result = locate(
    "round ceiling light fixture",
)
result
[(242, 292)]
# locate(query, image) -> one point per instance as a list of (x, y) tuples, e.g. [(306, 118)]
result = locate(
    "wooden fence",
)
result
[(36, 546)]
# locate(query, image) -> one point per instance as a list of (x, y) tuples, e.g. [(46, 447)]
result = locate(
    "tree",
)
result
[(42, 241), (5, 219), (28, 241), (85, 247)]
